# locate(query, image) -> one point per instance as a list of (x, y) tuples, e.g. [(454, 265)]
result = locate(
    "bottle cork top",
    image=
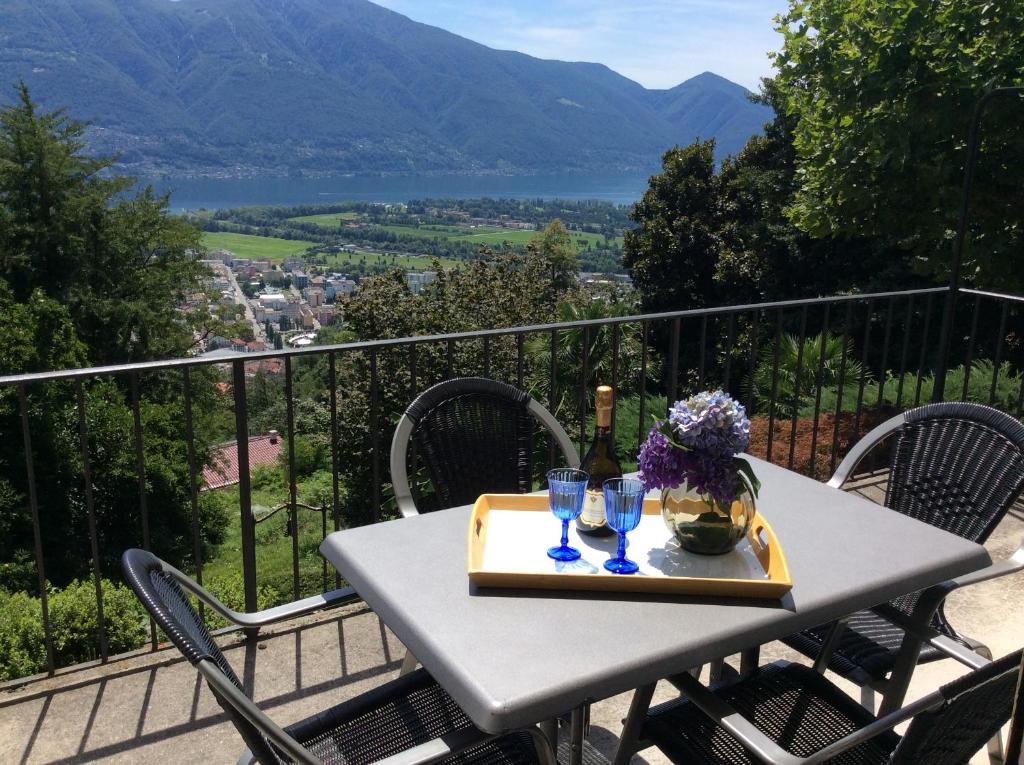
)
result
[(603, 399)]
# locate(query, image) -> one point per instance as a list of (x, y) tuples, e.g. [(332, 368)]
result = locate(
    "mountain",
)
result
[(243, 87)]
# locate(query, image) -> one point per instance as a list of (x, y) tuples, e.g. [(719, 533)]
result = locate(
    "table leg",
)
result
[(633, 723), (576, 735)]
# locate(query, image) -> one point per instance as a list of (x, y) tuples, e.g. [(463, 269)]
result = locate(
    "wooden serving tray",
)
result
[(509, 535)]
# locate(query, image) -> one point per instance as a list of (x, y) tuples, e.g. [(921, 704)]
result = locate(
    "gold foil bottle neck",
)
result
[(603, 405)]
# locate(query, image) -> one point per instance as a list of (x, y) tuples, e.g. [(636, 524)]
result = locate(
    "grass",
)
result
[(479, 234), (257, 247), (347, 261), (329, 221), (273, 547)]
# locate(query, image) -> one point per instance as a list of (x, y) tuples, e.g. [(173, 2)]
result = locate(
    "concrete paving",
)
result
[(152, 707)]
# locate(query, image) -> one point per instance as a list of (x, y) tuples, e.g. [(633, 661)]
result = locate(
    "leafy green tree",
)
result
[(671, 255), (555, 246), (763, 255), (90, 275), (67, 228), (880, 93)]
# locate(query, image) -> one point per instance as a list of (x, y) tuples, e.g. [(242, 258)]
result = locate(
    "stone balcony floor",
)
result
[(153, 708)]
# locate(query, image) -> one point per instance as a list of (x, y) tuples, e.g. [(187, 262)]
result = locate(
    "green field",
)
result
[(327, 220), (259, 247), (490, 235), (348, 260)]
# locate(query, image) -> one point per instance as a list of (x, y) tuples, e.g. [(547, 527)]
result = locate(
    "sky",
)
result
[(658, 43)]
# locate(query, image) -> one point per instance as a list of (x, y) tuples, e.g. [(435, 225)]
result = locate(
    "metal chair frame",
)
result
[(445, 391), (242, 710), (761, 745), (894, 687)]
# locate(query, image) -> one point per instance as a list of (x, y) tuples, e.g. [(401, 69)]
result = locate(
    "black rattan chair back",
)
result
[(473, 436), (957, 466), (171, 609), (976, 706)]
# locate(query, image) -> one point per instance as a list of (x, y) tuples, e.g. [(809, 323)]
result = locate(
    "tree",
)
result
[(672, 254), (763, 255), (554, 244), (880, 93), (89, 275)]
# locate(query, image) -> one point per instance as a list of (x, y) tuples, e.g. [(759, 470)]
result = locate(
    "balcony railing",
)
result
[(815, 374)]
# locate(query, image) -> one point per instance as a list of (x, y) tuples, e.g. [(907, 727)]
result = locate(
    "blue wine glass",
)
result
[(566, 489), (623, 504)]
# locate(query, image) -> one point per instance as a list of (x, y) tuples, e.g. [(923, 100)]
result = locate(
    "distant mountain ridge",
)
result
[(250, 87)]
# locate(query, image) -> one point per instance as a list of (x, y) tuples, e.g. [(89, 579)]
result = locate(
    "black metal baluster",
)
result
[(332, 382), (640, 425), (775, 384), (37, 535), (924, 347), (615, 376), (840, 388), (193, 483), (90, 508), (729, 340), (520, 359), (755, 329), (375, 436), (246, 521), (970, 347), (584, 387), (906, 349), (863, 368), (293, 491), (552, 378), (140, 472), (819, 384), (884, 370), (703, 344), (999, 353), (451, 359), (796, 387), (673, 366), (487, 355)]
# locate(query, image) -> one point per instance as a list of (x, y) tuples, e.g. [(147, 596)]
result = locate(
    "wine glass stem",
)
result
[(565, 533), (622, 545)]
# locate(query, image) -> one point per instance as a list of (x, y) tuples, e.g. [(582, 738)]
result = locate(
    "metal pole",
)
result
[(945, 336)]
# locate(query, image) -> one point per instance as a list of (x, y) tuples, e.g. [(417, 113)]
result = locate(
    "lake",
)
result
[(194, 194)]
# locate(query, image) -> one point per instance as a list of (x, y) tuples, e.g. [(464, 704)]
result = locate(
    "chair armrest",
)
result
[(268, 615), (932, 597), (767, 750), (458, 741), (927, 634), (439, 748), (297, 608)]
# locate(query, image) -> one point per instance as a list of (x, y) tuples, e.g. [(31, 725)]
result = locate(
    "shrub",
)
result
[(73, 614), (230, 590), (74, 625), (22, 647)]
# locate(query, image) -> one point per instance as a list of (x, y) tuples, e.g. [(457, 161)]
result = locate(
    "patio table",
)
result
[(512, 658)]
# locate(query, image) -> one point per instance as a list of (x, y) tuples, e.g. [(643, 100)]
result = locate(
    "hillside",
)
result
[(244, 87)]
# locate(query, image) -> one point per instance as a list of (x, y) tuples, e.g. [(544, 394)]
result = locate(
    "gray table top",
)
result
[(516, 657)]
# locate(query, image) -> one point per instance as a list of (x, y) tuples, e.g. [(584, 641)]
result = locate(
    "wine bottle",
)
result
[(600, 464)]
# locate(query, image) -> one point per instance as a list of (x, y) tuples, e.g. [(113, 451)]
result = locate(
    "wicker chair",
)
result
[(788, 714), (408, 721), (473, 436), (957, 466)]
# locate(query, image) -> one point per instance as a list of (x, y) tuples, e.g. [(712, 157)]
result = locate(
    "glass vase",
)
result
[(703, 525)]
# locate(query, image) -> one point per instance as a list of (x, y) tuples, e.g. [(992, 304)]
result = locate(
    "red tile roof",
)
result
[(223, 470)]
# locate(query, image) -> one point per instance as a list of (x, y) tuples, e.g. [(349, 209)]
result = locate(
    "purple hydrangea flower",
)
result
[(712, 422), (697, 445)]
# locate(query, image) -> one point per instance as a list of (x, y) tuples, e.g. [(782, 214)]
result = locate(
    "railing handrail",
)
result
[(994, 295), (192, 361)]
